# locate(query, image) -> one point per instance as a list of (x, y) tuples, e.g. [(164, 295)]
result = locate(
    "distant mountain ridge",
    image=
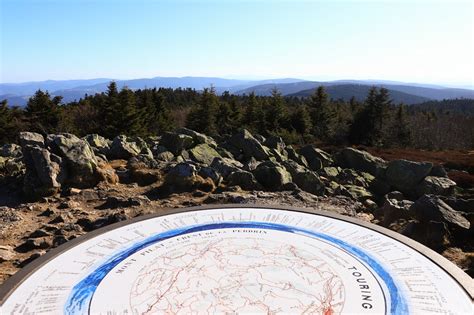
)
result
[(70, 90)]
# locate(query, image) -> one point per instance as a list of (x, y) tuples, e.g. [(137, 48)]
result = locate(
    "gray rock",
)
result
[(310, 152), (165, 156), (183, 170), (198, 138), (45, 172), (405, 175), (292, 155), (10, 150), (432, 208), (276, 143), (251, 164), (312, 156), (244, 179), (306, 179), (98, 143), (31, 138), (436, 186), (394, 209), (225, 166), (6, 253), (330, 171), (123, 148), (438, 171), (358, 192), (79, 158), (361, 161), (271, 175), (460, 204), (203, 153), (176, 142), (209, 172), (250, 146)]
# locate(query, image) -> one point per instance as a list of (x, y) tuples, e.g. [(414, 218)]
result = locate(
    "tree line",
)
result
[(149, 112)]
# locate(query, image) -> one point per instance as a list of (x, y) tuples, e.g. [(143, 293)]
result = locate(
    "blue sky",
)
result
[(412, 41)]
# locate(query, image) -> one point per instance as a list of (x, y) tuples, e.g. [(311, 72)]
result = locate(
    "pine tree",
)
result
[(321, 114), (301, 121), (203, 117), (403, 133), (276, 112), (5, 122), (42, 112)]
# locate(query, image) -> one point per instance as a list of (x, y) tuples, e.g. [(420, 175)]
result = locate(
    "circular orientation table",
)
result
[(240, 259)]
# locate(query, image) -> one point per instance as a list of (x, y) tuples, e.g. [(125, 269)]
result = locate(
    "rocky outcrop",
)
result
[(249, 146), (404, 175), (361, 161), (432, 208), (272, 175), (31, 138)]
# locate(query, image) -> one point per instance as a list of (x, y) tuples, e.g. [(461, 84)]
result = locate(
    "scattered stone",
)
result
[(123, 148), (438, 171), (38, 233), (10, 151), (361, 161), (176, 142), (209, 172), (198, 138), (394, 209), (244, 179), (404, 175), (358, 192), (99, 144), (292, 155), (432, 208), (31, 138), (31, 258), (165, 156), (307, 180), (436, 186), (226, 166), (271, 176), (6, 253), (250, 146), (203, 153)]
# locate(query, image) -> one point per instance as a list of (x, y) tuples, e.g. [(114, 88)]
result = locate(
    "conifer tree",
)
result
[(276, 112), (42, 112), (321, 114), (203, 117), (301, 121)]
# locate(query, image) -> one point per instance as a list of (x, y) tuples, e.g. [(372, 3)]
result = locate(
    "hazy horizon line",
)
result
[(259, 78)]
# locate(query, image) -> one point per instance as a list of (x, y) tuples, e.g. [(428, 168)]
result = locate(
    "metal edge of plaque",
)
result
[(463, 279)]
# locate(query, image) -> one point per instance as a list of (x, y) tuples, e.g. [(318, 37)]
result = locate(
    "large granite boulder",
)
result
[(45, 172), (31, 138), (198, 138), (98, 143), (276, 143), (404, 175), (79, 158), (306, 179), (246, 180), (184, 177), (203, 153), (10, 150), (361, 161), (394, 209), (316, 158), (176, 142), (226, 166), (272, 175), (123, 148), (250, 147), (436, 186), (432, 208), (298, 158)]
